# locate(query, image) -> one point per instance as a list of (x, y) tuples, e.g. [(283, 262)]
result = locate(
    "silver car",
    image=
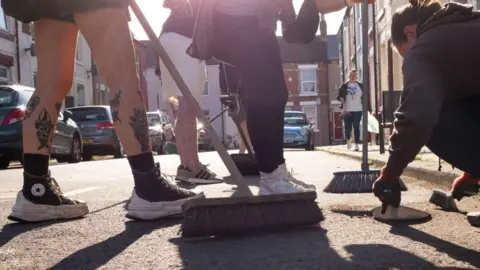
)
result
[(99, 136), (161, 130)]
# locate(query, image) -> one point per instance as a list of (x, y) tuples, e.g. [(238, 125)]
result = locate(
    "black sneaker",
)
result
[(161, 199), (41, 199)]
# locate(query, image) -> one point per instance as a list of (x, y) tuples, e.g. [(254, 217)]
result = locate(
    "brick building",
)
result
[(307, 71)]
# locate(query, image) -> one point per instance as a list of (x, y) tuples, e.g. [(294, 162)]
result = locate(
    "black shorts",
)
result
[(28, 11)]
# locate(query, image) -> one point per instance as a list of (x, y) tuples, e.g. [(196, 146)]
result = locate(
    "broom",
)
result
[(209, 217), (360, 181)]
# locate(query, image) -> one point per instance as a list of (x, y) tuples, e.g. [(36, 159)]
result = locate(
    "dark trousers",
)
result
[(455, 137), (352, 120), (255, 54)]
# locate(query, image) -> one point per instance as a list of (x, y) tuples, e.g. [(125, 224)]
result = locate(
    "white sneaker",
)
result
[(294, 180), (349, 144), (356, 147), (278, 182)]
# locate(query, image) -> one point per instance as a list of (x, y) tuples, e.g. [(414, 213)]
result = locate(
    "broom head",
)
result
[(252, 214), (355, 182)]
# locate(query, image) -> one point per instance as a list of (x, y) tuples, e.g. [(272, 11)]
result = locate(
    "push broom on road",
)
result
[(243, 212)]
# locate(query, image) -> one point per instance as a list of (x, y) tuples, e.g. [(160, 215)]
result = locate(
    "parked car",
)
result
[(204, 142), (298, 131), (67, 139), (161, 130), (96, 127)]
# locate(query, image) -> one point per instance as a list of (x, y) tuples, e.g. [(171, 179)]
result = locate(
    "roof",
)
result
[(302, 53)]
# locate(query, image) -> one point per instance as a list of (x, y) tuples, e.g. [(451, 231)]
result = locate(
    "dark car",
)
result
[(67, 140), (298, 132), (99, 135)]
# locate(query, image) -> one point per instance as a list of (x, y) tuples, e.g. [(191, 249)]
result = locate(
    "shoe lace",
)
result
[(55, 187), (205, 167)]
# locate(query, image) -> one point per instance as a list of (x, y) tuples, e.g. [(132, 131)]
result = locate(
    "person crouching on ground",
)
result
[(440, 103)]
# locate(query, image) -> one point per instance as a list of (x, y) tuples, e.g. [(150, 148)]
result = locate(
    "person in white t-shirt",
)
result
[(350, 94)]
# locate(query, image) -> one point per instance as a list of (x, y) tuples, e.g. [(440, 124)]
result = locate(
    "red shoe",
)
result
[(465, 186)]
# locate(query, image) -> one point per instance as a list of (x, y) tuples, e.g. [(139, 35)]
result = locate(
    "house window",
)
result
[(288, 109), (205, 88), (4, 78), (78, 54), (308, 79), (137, 62), (3, 20), (311, 113), (34, 80), (80, 94)]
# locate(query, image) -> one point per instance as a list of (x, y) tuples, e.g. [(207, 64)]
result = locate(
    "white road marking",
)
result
[(69, 193)]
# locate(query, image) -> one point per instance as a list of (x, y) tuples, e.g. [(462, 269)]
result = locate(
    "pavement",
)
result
[(349, 238)]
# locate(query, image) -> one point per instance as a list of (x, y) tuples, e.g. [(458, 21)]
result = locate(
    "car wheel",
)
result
[(119, 153), (4, 162), (76, 152), (87, 157)]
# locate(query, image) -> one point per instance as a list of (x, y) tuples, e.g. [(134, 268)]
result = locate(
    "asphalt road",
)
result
[(348, 238)]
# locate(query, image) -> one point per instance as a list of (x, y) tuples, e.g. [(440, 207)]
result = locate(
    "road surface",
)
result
[(348, 238)]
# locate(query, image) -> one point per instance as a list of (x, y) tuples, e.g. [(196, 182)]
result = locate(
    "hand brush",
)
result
[(209, 217)]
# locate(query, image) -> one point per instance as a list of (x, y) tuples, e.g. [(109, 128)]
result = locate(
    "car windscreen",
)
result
[(295, 121), (153, 120), (8, 98), (89, 114)]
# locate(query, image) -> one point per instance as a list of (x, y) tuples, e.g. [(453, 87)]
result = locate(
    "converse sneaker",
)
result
[(202, 176), (41, 199), (349, 144), (356, 147), (294, 180), (162, 198), (278, 182)]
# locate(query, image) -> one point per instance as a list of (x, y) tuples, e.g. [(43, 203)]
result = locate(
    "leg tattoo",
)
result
[(115, 106), (31, 106), (44, 127), (139, 124)]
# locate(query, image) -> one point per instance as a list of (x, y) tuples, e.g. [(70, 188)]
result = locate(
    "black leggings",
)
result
[(255, 53), (455, 137)]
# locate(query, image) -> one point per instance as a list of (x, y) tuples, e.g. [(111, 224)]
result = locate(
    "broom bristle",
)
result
[(235, 216), (355, 182)]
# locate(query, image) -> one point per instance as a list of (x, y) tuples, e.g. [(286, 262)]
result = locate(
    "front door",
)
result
[(337, 127)]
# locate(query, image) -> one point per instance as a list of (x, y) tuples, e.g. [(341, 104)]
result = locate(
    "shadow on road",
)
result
[(455, 251), (95, 256), (12, 230), (307, 248)]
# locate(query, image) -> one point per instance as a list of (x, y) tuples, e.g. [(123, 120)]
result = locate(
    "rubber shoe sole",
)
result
[(26, 211), (140, 209)]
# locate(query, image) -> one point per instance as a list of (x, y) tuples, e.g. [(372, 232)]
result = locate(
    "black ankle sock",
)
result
[(142, 162), (36, 165)]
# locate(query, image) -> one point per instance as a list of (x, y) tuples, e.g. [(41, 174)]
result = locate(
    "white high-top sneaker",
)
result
[(356, 147), (278, 182)]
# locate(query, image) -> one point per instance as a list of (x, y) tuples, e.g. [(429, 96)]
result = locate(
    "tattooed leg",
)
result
[(111, 45)]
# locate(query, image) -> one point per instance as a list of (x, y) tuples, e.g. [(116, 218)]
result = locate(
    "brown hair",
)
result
[(415, 12)]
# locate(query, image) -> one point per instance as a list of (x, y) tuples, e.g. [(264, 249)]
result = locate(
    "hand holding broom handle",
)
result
[(243, 188)]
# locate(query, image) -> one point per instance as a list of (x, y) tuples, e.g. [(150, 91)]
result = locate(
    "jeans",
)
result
[(352, 120), (255, 54), (455, 137)]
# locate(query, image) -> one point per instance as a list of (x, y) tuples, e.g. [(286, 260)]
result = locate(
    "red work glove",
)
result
[(388, 190), (465, 186)]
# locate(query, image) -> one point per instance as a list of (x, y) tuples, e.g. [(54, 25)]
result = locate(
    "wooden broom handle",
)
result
[(243, 188)]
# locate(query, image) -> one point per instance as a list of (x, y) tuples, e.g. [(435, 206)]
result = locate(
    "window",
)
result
[(311, 113), (78, 56), (34, 80), (137, 63), (308, 78), (81, 94), (4, 78), (288, 109), (3, 20), (205, 88)]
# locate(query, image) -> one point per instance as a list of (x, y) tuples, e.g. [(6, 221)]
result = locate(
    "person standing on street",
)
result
[(351, 96), (175, 37), (104, 24)]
